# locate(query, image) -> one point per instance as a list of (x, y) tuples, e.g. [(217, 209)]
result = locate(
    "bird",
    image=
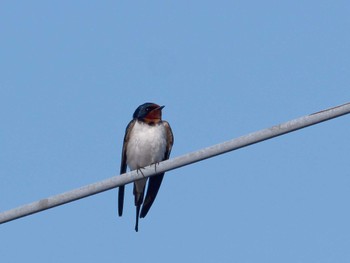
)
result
[(148, 140)]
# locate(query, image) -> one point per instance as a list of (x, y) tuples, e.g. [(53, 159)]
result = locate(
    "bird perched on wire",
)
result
[(148, 140)]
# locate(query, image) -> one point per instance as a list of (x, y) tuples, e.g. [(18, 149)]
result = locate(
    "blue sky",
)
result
[(72, 74)]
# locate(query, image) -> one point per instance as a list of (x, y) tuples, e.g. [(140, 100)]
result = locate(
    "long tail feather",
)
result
[(121, 200), (137, 218)]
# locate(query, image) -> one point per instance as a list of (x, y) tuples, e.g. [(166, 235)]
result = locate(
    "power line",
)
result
[(174, 163)]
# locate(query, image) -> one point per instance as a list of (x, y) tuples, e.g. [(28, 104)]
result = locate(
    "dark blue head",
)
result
[(148, 112)]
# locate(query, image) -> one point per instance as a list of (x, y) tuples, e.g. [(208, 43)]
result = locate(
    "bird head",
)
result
[(149, 113)]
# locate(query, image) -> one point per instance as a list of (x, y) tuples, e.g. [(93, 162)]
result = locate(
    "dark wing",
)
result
[(156, 181), (123, 167)]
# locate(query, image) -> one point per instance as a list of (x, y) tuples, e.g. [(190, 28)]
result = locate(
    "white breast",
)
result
[(147, 145)]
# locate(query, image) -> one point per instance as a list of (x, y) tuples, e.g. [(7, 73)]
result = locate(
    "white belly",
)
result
[(147, 145)]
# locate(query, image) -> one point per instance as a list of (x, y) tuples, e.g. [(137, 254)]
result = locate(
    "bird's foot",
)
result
[(155, 166), (140, 170)]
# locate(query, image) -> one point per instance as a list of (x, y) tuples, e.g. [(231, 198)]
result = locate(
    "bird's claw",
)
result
[(140, 170), (155, 166)]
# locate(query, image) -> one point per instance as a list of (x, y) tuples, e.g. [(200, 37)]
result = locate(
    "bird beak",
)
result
[(160, 107)]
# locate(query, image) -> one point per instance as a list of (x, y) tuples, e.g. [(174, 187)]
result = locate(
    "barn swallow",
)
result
[(148, 140)]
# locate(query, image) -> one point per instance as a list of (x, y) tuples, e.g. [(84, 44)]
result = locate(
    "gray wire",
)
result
[(174, 163)]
